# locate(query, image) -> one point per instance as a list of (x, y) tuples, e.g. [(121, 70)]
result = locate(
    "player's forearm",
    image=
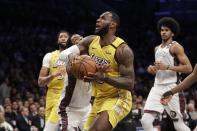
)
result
[(74, 50), (43, 81), (181, 68), (65, 101), (187, 82), (120, 82)]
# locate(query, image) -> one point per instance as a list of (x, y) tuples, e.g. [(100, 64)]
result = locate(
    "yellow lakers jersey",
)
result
[(55, 65), (106, 55)]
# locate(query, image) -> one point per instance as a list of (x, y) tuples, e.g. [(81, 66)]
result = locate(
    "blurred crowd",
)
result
[(31, 30)]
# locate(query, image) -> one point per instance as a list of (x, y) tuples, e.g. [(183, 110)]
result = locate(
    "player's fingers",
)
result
[(106, 67), (163, 101), (90, 74), (87, 78), (152, 70), (166, 100), (99, 67)]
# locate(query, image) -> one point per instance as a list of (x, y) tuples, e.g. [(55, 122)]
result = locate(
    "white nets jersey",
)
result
[(81, 94), (164, 56)]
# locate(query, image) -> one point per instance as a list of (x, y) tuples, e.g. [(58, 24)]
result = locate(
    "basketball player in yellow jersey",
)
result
[(113, 85), (52, 75)]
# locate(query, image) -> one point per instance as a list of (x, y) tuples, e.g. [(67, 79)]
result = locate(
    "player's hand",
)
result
[(60, 72), (167, 96), (152, 69), (63, 121), (99, 76), (63, 128), (73, 59), (76, 38), (160, 66)]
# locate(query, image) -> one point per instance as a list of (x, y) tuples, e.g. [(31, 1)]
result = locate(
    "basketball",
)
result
[(82, 65)]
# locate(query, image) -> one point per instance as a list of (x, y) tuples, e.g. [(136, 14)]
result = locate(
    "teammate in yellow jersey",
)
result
[(53, 76), (113, 86)]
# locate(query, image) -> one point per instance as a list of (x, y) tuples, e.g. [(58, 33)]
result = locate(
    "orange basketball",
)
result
[(82, 65)]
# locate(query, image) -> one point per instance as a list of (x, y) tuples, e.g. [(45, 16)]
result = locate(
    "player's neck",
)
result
[(166, 42), (61, 49), (107, 40)]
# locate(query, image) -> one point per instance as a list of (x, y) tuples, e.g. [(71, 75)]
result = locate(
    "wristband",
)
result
[(168, 93)]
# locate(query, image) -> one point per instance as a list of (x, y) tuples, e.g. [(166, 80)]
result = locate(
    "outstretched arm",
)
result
[(80, 48), (187, 82)]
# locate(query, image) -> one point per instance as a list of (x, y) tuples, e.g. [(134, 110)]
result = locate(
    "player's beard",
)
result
[(103, 31), (62, 46)]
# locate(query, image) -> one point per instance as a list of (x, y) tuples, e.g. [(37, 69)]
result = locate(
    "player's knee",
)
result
[(181, 126), (145, 121)]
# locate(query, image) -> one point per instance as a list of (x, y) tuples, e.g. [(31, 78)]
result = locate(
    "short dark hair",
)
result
[(116, 18), (170, 23), (63, 31)]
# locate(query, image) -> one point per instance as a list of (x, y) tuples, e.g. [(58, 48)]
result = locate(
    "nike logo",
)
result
[(93, 48)]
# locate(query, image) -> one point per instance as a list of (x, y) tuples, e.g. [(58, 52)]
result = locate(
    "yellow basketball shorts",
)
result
[(117, 109), (52, 103)]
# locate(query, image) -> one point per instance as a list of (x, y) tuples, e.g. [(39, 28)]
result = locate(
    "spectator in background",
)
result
[(23, 122), (192, 114), (15, 108), (7, 101), (38, 119), (42, 101), (4, 125), (20, 104), (33, 110), (10, 116), (30, 99), (4, 90)]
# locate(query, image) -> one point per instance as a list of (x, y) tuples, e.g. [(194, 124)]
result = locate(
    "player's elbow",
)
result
[(194, 75), (130, 85), (189, 69), (40, 83)]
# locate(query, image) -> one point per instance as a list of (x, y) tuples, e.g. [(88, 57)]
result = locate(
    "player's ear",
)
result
[(113, 24)]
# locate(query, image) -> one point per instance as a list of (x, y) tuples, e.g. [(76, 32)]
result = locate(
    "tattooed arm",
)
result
[(65, 101), (124, 56)]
